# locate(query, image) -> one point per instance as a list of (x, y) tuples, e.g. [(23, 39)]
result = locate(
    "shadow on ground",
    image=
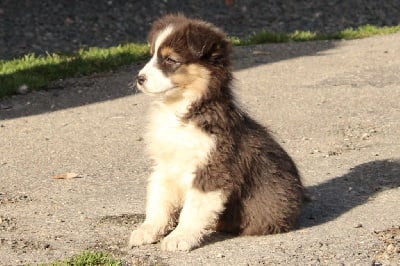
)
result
[(337, 196), (107, 86)]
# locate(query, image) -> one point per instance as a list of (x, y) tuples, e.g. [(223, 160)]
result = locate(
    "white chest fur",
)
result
[(177, 148)]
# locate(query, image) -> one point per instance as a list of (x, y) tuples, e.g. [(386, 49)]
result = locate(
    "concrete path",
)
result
[(335, 106)]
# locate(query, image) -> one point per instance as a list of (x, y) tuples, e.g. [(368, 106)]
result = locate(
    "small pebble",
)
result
[(390, 247), (365, 136), (358, 225), (220, 255), (23, 89)]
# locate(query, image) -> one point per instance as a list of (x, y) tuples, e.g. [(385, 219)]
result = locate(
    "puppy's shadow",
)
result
[(335, 197)]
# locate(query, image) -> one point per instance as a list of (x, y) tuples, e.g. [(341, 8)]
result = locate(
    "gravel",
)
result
[(321, 100), (28, 26)]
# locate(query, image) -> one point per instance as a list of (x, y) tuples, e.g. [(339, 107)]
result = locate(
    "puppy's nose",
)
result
[(141, 79)]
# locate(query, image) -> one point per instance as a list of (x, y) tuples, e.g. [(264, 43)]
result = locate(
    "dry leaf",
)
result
[(66, 176)]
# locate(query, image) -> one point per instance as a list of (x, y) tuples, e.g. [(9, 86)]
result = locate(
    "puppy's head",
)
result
[(186, 55)]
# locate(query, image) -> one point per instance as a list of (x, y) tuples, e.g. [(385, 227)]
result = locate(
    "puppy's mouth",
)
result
[(166, 92)]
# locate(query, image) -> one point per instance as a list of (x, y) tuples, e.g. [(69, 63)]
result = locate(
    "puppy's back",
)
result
[(261, 180)]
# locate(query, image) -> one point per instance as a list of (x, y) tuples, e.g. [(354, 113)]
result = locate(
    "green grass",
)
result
[(302, 36), (89, 258), (38, 71)]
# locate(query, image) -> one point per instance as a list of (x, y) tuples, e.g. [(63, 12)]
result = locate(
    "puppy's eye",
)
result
[(170, 61)]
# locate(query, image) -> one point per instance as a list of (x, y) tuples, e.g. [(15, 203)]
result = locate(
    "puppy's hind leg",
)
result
[(200, 210), (162, 203)]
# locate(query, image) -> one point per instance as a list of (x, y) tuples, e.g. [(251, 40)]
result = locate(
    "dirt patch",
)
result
[(391, 246), (12, 199), (7, 223), (23, 246), (123, 219), (353, 137)]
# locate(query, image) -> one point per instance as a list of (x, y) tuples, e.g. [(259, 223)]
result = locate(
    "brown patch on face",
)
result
[(167, 51), (191, 81), (192, 78)]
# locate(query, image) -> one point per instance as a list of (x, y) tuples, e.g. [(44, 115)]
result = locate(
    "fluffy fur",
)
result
[(214, 166)]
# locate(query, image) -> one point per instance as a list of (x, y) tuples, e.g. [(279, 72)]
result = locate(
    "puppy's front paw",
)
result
[(145, 234), (180, 242)]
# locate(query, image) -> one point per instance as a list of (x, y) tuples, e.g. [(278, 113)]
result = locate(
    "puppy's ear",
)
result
[(208, 43)]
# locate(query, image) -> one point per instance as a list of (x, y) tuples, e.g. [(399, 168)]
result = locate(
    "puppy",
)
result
[(214, 166)]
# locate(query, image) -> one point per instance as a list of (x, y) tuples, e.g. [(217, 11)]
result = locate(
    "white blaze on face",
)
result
[(156, 81)]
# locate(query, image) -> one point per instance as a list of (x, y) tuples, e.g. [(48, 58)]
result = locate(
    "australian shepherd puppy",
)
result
[(214, 166)]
